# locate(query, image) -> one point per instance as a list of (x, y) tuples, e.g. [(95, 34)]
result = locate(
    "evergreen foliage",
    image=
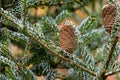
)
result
[(95, 54)]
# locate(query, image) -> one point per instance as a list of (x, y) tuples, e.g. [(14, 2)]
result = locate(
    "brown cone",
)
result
[(67, 38), (109, 16)]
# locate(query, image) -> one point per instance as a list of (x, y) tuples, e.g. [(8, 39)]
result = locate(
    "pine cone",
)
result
[(67, 38), (109, 16)]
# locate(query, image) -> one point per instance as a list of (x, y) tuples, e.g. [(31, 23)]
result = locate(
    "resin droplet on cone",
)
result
[(67, 38), (109, 16)]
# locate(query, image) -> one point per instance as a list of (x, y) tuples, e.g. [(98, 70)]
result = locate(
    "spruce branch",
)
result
[(115, 40)]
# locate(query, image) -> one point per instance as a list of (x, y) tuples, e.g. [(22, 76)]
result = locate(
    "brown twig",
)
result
[(115, 40), (111, 51), (112, 72)]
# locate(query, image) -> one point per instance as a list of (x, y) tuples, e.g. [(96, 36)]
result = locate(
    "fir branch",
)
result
[(24, 15), (59, 3), (0, 3), (49, 49), (9, 53), (18, 37), (43, 3), (111, 51), (0, 11), (60, 56), (47, 3), (20, 67), (10, 5), (11, 74), (12, 18), (112, 72), (3, 77), (115, 40)]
